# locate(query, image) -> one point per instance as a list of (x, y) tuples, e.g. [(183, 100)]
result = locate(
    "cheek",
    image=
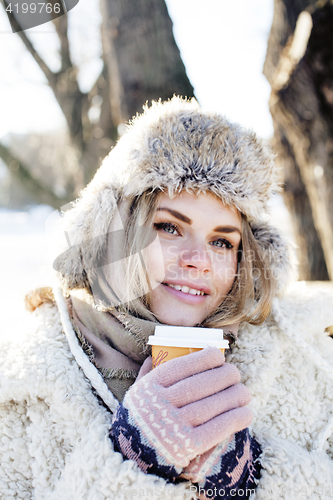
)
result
[(154, 258), (225, 268)]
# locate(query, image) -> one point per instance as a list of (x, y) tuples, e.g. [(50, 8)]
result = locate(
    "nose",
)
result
[(195, 256)]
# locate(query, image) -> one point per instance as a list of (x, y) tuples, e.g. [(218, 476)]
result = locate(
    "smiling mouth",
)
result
[(185, 289)]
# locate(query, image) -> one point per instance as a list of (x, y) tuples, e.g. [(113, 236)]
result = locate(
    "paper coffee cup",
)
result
[(171, 342)]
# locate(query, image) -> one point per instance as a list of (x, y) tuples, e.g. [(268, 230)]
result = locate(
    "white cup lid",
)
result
[(184, 336)]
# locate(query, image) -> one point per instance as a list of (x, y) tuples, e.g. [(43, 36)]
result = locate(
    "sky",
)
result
[(222, 43)]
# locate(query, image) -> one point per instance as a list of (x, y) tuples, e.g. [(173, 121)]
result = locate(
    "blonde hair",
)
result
[(250, 296)]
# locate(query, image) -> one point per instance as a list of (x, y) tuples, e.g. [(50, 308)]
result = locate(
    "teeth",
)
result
[(186, 289)]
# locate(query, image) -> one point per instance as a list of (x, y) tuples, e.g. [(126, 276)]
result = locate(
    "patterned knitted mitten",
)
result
[(179, 410), (230, 467)]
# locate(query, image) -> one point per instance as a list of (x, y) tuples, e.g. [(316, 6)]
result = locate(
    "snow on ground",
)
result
[(23, 263), (23, 247)]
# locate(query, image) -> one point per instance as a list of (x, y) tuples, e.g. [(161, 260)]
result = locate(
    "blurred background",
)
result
[(68, 87)]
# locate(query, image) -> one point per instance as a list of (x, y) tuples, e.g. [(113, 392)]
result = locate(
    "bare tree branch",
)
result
[(72, 101), (63, 83), (50, 76), (41, 193), (61, 25)]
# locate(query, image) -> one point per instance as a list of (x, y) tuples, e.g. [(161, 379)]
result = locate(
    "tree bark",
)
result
[(143, 59), (299, 67)]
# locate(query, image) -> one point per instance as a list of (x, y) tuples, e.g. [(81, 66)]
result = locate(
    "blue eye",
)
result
[(222, 243), (167, 227)]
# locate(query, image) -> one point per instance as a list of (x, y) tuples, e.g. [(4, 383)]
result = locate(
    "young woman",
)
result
[(172, 230)]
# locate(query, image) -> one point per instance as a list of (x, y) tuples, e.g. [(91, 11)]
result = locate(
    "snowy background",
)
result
[(23, 262)]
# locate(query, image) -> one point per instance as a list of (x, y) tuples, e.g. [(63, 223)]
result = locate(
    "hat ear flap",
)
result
[(279, 255), (85, 228)]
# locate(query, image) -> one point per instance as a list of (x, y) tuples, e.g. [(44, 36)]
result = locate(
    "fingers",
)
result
[(178, 369), (202, 411), (145, 368), (221, 427), (202, 385)]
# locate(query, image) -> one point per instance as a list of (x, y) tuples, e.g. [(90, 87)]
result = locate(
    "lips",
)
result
[(189, 288), (194, 298), (186, 289)]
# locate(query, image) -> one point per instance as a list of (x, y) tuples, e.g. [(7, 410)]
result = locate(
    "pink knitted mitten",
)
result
[(230, 466), (180, 410), (201, 466)]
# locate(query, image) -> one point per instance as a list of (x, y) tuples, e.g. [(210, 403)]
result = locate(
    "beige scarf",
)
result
[(115, 342)]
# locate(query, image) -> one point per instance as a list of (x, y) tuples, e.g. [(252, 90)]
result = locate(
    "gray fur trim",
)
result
[(86, 226), (280, 255), (174, 146)]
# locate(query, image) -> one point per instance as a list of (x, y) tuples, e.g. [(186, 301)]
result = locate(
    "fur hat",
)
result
[(174, 146)]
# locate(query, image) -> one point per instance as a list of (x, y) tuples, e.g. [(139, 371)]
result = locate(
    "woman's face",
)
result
[(192, 264)]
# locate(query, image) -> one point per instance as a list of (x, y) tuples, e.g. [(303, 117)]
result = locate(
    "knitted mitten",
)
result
[(179, 410), (229, 467)]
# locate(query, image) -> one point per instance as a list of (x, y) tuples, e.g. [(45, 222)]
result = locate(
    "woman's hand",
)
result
[(180, 410), (229, 467)]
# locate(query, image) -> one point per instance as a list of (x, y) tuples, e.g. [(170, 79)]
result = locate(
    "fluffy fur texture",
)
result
[(175, 146), (54, 442), (54, 432), (37, 297)]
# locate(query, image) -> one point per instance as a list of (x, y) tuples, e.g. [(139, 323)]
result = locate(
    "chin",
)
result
[(180, 321)]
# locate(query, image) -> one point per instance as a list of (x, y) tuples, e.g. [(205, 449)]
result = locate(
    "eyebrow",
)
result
[(219, 229), (176, 214)]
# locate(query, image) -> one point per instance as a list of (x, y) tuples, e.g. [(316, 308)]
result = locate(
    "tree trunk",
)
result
[(299, 67), (143, 59)]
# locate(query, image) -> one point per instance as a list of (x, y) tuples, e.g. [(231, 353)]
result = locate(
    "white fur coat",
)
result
[(54, 441)]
